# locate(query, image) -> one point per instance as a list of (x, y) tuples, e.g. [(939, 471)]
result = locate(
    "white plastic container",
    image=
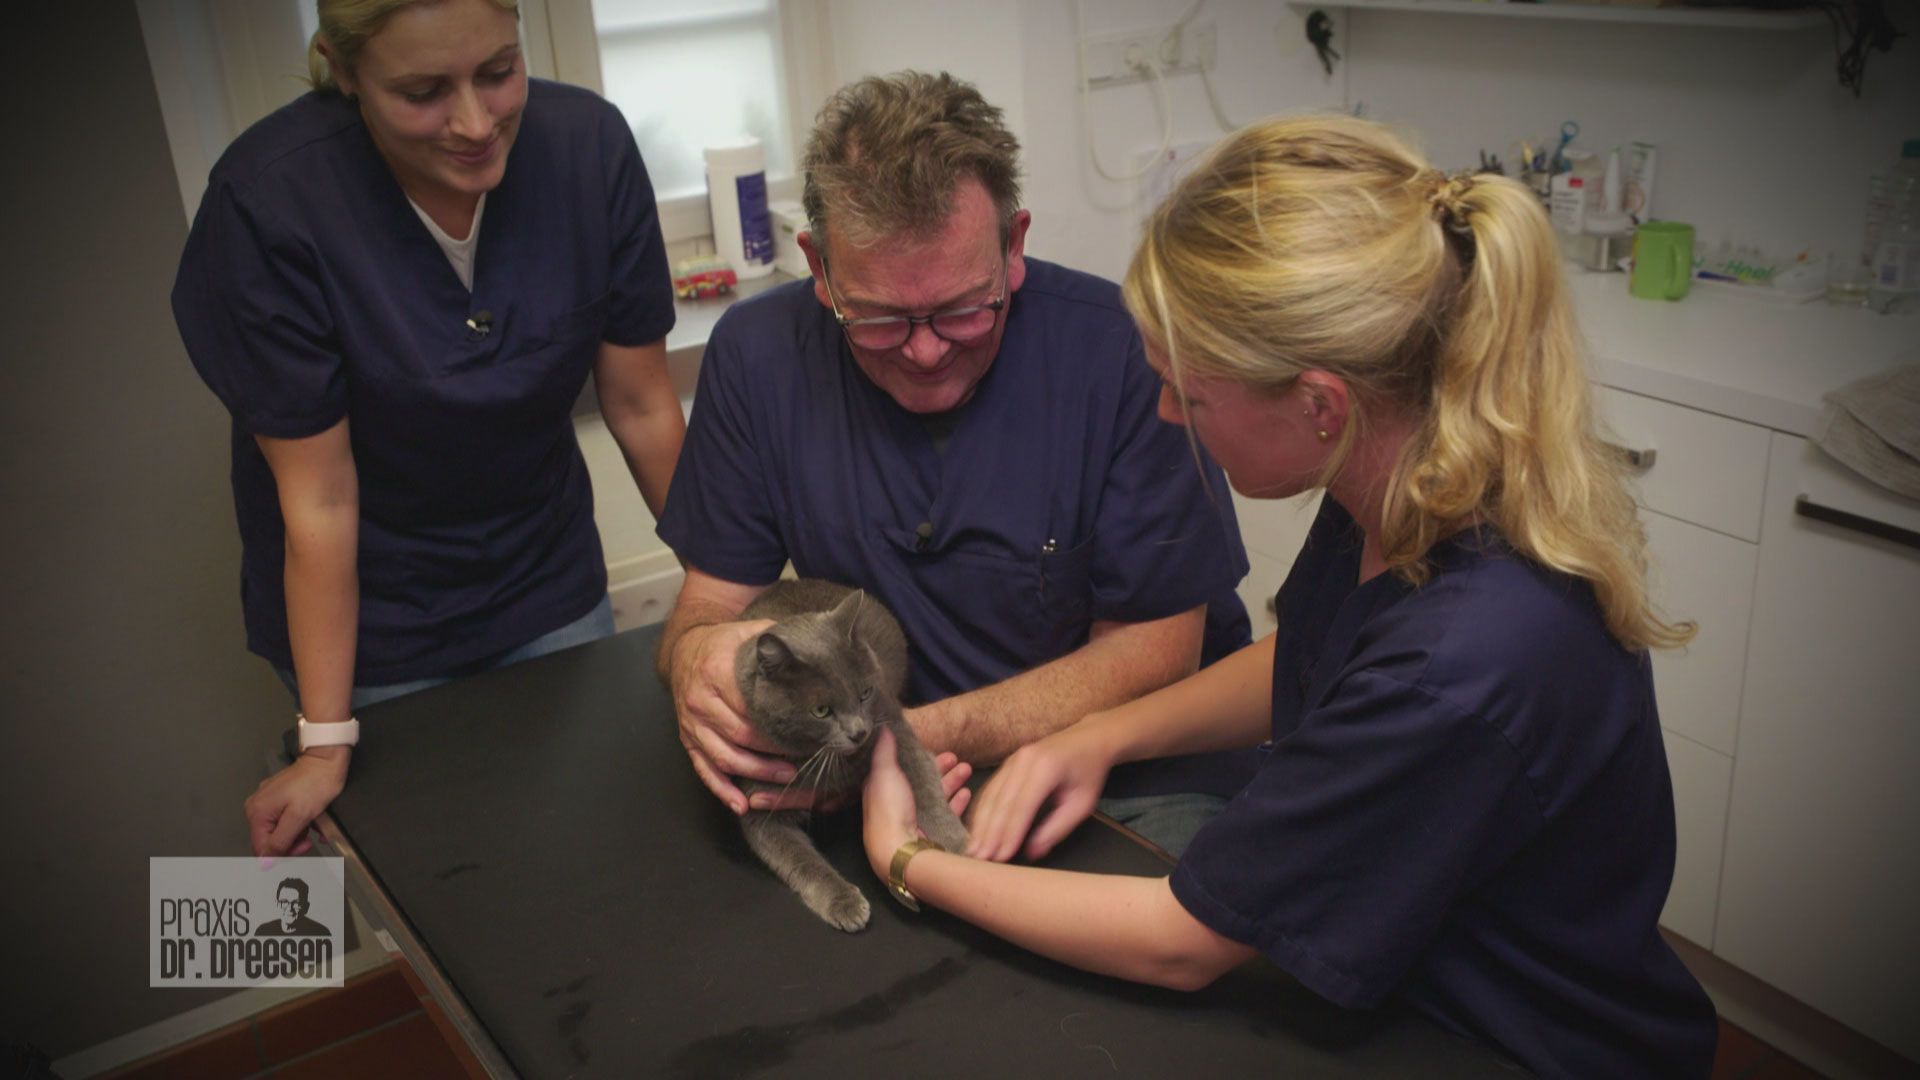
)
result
[(1896, 259), (789, 221), (737, 196)]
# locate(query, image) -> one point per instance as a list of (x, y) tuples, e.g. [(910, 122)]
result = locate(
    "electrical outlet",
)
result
[(1116, 59)]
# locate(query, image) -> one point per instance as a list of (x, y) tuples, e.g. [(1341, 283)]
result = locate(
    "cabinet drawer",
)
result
[(1701, 780), (1822, 866), (1706, 469), (1707, 577)]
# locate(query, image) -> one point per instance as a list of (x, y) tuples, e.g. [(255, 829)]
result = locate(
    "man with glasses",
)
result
[(967, 433), (290, 905)]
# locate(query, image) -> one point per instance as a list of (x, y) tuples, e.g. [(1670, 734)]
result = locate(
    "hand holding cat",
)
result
[(889, 818), (706, 697), (1066, 769)]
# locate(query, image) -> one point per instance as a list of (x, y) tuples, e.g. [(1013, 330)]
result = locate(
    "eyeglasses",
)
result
[(961, 325)]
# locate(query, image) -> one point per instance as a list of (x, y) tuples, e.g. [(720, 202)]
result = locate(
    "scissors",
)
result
[(1568, 131)]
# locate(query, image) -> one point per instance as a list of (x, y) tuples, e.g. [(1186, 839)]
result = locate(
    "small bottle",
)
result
[(1895, 286), (1575, 193), (1850, 271), (1609, 229)]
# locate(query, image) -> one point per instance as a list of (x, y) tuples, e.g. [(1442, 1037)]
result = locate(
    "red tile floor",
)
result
[(383, 1024)]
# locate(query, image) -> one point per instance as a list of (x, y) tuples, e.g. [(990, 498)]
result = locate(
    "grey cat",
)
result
[(820, 684)]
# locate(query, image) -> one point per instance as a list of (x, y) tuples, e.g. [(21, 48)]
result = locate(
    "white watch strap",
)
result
[(345, 733)]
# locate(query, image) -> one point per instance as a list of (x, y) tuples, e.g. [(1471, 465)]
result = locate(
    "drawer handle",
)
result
[(1637, 460), (1807, 508)]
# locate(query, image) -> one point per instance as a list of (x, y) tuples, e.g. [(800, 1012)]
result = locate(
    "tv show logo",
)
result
[(228, 922)]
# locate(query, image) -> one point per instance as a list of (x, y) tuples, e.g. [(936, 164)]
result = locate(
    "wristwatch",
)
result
[(344, 733), (897, 870)]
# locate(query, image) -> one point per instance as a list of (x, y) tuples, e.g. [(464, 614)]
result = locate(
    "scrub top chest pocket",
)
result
[(1023, 604), (486, 433)]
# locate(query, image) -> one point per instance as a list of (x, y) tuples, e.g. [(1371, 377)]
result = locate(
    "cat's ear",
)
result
[(847, 612), (772, 652)]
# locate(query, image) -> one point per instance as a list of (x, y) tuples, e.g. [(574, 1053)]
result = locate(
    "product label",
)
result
[(756, 226), (1568, 203)]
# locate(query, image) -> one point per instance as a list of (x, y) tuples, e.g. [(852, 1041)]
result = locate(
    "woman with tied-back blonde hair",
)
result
[(1464, 804), (397, 284)]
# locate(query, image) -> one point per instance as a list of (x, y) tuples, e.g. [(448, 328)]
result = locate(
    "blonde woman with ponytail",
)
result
[(397, 285), (1465, 804)]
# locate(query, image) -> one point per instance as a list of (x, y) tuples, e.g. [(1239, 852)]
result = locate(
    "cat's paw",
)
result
[(843, 909)]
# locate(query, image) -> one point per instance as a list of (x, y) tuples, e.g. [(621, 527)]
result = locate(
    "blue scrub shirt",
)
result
[(1061, 497), (310, 292), (1466, 803)]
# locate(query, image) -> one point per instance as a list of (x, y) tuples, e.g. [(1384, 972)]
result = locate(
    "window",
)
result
[(686, 73), (689, 75)]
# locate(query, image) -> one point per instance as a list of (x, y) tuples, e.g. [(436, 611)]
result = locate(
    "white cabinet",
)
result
[(1700, 488), (1707, 577), (1704, 468), (1822, 871), (1701, 778)]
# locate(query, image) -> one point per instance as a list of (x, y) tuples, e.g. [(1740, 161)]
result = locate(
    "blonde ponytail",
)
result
[(1325, 243)]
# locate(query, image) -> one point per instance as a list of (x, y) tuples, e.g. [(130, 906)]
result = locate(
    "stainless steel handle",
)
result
[(1637, 460), (1874, 527)]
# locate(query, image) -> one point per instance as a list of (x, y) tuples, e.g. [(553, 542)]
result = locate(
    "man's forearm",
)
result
[(1120, 663), (688, 615)]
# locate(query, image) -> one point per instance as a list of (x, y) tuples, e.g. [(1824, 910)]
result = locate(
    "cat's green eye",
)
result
[(866, 692), (823, 711)]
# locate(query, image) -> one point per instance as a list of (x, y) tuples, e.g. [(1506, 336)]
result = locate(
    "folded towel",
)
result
[(1873, 427)]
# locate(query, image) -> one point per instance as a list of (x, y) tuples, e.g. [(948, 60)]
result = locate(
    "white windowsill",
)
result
[(694, 321)]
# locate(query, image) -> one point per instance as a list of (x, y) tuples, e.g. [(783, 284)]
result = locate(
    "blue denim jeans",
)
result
[(1168, 820), (592, 626)]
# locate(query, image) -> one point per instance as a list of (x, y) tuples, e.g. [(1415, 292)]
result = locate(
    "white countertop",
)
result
[(693, 324), (1738, 357)]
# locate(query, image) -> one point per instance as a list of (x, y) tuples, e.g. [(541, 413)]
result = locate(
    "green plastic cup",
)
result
[(1662, 261)]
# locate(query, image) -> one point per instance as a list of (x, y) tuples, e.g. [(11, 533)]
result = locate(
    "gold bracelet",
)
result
[(897, 870)]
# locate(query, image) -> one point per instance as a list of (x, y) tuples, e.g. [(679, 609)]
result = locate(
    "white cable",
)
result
[(1166, 129), (1159, 96), (1213, 102)]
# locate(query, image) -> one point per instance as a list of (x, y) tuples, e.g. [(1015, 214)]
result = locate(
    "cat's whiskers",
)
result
[(801, 772)]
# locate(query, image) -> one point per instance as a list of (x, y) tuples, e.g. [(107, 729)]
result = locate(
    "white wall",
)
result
[(1757, 139), (973, 41), (1086, 221), (218, 66), (1023, 58)]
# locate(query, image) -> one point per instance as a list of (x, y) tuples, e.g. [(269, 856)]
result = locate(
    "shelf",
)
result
[(1726, 18)]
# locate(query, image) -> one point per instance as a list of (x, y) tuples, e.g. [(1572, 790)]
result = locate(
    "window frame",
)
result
[(562, 44)]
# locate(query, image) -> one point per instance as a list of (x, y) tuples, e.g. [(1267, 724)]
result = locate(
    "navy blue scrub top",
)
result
[(1465, 803), (310, 292), (1061, 498)]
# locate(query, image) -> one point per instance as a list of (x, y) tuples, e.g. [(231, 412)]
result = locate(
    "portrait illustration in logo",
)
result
[(290, 899)]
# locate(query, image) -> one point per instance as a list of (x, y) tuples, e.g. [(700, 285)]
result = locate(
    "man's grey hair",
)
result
[(887, 152)]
